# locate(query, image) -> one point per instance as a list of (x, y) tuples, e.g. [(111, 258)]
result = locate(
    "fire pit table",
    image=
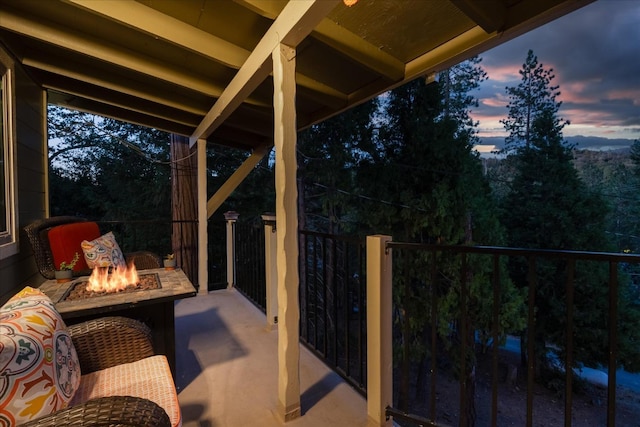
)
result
[(154, 307)]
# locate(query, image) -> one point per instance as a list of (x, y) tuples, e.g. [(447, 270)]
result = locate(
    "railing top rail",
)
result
[(498, 250), (146, 221)]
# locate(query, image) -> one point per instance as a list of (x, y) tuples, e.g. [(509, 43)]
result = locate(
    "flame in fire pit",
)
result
[(120, 277)]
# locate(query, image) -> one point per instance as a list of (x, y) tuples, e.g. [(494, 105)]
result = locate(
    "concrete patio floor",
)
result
[(227, 370)]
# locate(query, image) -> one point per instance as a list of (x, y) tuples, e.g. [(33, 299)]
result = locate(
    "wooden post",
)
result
[(287, 236), (231, 217), (379, 337)]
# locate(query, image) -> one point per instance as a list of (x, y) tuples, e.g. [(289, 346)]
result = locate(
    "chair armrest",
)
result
[(107, 411), (143, 260), (109, 341)]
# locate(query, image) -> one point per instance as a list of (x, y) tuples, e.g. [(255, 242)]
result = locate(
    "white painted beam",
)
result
[(448, 54), (146, 19), (103, 51), (293, 24), (341, 39)]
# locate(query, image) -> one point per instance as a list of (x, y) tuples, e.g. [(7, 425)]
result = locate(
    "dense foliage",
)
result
[(106, 170), (550, 207)]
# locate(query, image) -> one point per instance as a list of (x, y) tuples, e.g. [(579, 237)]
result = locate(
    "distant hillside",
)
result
[(602, 159), (581, 142)]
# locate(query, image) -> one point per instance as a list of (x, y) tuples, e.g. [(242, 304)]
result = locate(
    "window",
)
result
[(8, 213)]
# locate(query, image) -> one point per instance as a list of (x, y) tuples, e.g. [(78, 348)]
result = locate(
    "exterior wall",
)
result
[(20, 269)]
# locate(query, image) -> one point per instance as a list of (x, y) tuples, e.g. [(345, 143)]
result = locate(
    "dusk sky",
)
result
[(595, 55)]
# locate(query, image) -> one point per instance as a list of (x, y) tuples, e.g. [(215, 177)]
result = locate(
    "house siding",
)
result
[(20, 270)]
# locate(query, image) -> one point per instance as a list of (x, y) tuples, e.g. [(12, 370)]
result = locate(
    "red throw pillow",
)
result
[(65, 240)]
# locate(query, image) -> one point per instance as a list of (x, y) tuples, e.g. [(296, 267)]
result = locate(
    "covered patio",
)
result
[(247, 74)]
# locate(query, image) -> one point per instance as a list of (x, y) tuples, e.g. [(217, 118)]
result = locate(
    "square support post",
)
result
[(284, 108), (231, 217), (379, 335)]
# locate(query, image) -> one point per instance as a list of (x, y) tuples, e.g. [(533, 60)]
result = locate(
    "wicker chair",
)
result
[(37, 233), (100, 344)]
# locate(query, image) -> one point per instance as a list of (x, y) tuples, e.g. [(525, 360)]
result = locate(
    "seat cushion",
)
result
[(66, 240), (149, 378), (39, 368)]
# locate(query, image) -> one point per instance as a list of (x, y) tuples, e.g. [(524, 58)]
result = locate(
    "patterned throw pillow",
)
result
[(103, 252), (39, 368)]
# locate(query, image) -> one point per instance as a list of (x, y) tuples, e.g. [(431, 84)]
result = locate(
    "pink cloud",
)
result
[(633, 94), (497, 101), (503, 73)]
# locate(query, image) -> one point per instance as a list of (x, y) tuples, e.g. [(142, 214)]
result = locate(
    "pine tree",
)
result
[(528, 100), (549, 207)]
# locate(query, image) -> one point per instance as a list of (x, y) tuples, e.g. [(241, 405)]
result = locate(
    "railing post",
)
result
[(231, 217), (271, 270), (379, 338)]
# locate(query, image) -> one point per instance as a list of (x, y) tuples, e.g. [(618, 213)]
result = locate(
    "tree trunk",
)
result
[(184, 207)]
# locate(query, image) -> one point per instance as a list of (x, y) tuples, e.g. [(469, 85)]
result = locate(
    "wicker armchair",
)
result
[(37, 233), (100, 344)]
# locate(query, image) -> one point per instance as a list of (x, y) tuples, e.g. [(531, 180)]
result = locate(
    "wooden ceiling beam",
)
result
[(120, 100), (148, 20), (293, 24), (523, 16), (490, 15), (98, 49), (340, 39), (98, 78), (102, 109), (156, 24), (131, 60), (448, 54)]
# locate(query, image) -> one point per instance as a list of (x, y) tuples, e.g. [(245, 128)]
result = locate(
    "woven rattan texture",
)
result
[(113, 411), (110, 341)]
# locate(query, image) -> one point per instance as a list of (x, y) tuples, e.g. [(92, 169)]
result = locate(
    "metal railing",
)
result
[(332, 294), (333, 319), (419, 296), (216, 254), (156, 236), (249, 266), (332, 303)]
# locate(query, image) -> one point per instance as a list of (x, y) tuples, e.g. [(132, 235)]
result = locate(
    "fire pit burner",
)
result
[(79, 290)]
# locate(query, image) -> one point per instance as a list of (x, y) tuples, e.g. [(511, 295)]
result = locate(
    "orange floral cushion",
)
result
[(39, 368)]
